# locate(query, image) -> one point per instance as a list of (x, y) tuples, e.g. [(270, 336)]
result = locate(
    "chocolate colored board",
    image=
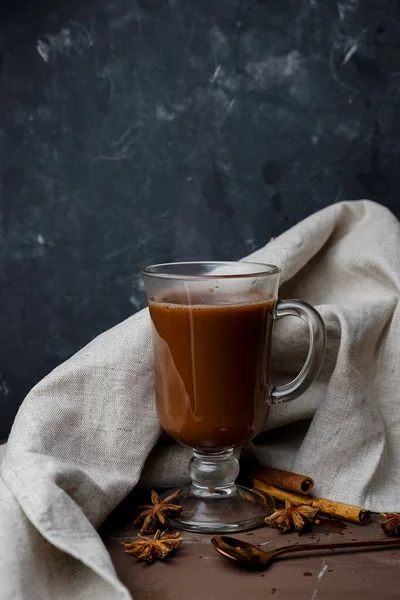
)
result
[(137, 131), (197, 572)]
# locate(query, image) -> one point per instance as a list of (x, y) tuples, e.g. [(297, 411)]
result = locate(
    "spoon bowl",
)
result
[(241, 552), (252, 556)]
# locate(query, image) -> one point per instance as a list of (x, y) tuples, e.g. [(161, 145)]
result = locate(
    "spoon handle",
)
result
[(334, 546)]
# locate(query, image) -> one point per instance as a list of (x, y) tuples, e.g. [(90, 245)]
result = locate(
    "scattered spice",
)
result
[(158, 547), (391, 525), (292, 517), (338, 510), (155, 514)]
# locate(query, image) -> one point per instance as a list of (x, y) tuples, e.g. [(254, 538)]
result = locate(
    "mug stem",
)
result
[(213, 472)]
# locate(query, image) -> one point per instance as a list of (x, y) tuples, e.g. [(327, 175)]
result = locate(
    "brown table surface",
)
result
[(197, 572)]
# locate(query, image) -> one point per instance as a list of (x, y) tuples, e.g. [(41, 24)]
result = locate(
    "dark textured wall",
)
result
[(134, 131)]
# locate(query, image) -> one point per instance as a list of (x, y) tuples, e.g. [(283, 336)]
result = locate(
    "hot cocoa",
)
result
[(212, 369)]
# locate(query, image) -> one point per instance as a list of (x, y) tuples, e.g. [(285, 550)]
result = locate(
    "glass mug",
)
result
[(212, 327)]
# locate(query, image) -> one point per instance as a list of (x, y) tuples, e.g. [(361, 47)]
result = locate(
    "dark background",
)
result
[(135, 131)]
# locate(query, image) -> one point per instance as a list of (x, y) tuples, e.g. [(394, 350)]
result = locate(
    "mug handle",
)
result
[(316, 350)]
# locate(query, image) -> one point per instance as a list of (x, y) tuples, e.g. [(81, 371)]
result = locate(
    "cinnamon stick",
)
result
[(285, 480), (355, 514)]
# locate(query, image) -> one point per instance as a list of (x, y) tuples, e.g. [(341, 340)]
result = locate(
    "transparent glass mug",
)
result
[(212, 327)]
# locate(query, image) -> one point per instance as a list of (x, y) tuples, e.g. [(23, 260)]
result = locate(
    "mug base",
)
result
[(221, 510)]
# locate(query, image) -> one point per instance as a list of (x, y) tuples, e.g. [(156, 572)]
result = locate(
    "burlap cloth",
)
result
[(83, 434)]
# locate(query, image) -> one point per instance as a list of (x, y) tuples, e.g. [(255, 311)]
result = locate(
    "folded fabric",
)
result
[(84, 434)]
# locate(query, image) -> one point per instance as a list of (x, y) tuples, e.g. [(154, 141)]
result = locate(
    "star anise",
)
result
[(292, 517), (149, 549), (155, 514), (391, 525)]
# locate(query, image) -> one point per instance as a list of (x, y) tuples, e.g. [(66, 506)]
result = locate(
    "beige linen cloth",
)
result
[(83, 434)]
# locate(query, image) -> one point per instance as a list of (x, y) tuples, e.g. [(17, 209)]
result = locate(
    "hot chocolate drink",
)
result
[(212, 369), (212, 326)]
